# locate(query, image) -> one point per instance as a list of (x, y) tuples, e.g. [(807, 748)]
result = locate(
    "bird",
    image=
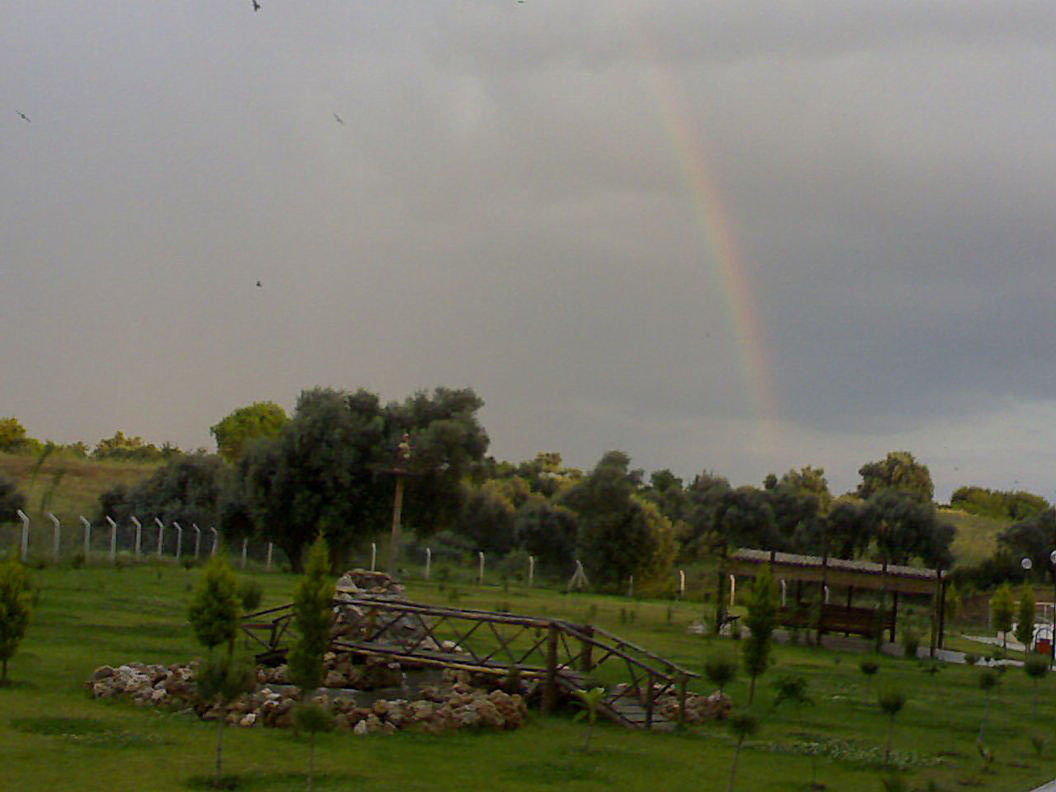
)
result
[(339, 119), (256, 5), (259, 284), (23, 116)]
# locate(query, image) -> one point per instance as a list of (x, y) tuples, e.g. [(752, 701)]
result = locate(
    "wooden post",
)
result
[(550, 687), (720, 598), (397, 508), (586, 659), (681, 699), (894, 616), (649, 701), (936, 597), (942, 615)]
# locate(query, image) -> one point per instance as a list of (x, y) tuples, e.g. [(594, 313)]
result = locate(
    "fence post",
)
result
[(139, 535), (531, 570), (649, 701), (428, 562), (586, 659), (681, 699), (480, 574), (25, 534), (245, 545), (197, 539), (161, 535), (56, 537), (87, 537), (271, 547), (550, 687), (179, 539), (216, 538), (373, 556), (113, 538), (682, 584), (630, 587), (733, 591)]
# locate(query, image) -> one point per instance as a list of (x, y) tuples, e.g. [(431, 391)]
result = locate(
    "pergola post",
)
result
[(894, 616)]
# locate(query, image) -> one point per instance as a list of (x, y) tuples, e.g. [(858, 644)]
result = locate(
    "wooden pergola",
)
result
[(851, 576)]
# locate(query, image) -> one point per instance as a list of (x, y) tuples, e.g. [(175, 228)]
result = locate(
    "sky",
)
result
[(736, 237)]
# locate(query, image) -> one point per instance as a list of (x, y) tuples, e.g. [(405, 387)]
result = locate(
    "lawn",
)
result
[(52, 735)]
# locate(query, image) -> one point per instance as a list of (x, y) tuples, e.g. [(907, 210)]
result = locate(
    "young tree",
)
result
[(891, 703), (1025, 620), (15, 607), (988, 681), (313, 616), (1002, 606), (743, 725), (793, 690), (213, 614), (590, 699), (720, 669), (761, 620), (1036, 667)]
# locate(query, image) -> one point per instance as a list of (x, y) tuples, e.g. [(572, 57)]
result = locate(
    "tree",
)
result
[(487, 518), (907, 527), (234, 432), (547, 531), (1036, 667), (620, 534), (13, 437), (11, 500), (328, 467), (133, 449), (1025, 620), (15, 608), (213, 614), (897, 471), (591, 700), (793, 690), (1002, 608), (313, 616), (1018, 505), (988, 681), (1031, 538), (701, 530), (187, 489), (760, 620), (743, 725), (891, 703), (720, 669)]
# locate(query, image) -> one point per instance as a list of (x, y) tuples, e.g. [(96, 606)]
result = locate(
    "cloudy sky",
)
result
[(730, 236)]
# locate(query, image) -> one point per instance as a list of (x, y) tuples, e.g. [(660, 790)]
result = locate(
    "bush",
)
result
[(910, 641), (250, 594), (971, 659), (720, 669), (868, 666)]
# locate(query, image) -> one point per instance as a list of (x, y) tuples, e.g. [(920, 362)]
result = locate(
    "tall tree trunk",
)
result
[(733, 770)]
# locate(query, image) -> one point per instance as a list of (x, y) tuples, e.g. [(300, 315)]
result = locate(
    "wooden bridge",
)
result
[(561, 655)]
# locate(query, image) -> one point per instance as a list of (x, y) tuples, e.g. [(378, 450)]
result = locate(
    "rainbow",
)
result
[(717, 229)]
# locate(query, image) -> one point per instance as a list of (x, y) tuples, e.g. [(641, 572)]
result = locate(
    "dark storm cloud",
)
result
[(506, 205)]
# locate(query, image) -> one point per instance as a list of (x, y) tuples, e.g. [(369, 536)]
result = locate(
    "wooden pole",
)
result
[(942, 616), (649, 701), (681, 699), (894, 616), (397, 508), (550, 686), (586, 660)]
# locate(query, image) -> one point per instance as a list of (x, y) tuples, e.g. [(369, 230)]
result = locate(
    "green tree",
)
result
[(720, 669), (11, 500), (1025, 619), (906, 527), (13, 437), (213, 612), (620, 534), (988, 682), (743, 725), (15, 607), (792, 689), (233, 433), (1002, 609), (134, 449), (897, 471), (891, 703), (313, 617), (487, 518), (188, 489), (760, 620), (547, 531)]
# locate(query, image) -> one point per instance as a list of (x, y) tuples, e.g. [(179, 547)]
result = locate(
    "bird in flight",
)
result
[(259, 284), (339, 119), (256, 5), (23, 116)]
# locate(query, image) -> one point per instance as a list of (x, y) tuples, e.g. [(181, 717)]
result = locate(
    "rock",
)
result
[(360, 729), (248, 719), (102, 672), (334, 679)]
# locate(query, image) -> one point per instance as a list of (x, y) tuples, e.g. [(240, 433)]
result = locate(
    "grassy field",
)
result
[(976, 536), (52, 735)]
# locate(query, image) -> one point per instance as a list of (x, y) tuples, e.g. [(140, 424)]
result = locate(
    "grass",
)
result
[(976, 537), (52, 735)]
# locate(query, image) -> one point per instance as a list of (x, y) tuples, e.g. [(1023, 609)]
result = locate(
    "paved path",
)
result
[(1049, 787)]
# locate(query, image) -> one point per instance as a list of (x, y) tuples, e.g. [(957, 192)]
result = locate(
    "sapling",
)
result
[(891, 703), (1025, 620), (743, 725), (988, 681), (1036, 666), (760, 620), (1002, 606), (591, 700), (16, 605), (793, 690), (720, 669)]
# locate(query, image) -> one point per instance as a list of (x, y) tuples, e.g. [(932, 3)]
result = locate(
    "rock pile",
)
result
[(699, 708), (445, 707)]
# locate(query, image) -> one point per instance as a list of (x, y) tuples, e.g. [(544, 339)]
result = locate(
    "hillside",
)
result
[(68, 486), (976, 535)]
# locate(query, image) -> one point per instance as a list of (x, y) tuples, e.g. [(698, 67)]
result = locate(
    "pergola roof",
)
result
[(836, 571)]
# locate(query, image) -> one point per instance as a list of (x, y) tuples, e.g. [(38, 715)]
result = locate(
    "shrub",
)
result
[(910, 641), (251, 594), (971, 659), (720, 669), (868, 666)]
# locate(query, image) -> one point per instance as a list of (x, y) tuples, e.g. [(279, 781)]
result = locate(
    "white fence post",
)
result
[(373, 555), (87, 537), (480, 574), (161, 535), (197, 539), (216, 540), (245, 545), (682, 583), (784, 592), (113, 538), (531, 570), (139, 535), (56, 537), (25, 534), (179, 539), (271, 547), (428, 561), (733, 591)]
